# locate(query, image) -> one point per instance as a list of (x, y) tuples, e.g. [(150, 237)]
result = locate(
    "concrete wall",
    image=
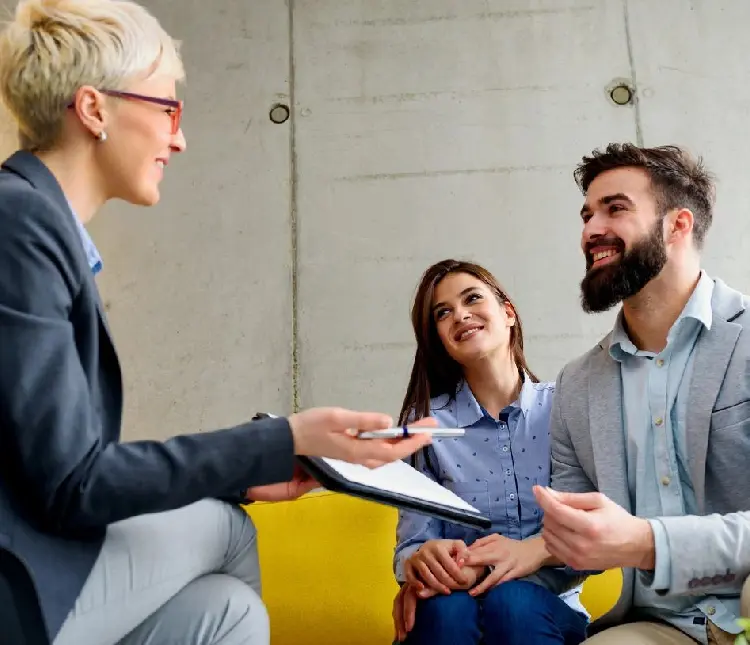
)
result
[(280, 265)]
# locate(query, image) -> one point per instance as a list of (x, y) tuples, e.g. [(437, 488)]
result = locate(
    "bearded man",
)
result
[(651, 427)]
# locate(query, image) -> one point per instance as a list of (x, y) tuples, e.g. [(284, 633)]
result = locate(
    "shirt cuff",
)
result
[(661, 578), (402, 556)]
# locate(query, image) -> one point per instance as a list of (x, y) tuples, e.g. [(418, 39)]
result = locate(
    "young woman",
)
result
[(461, 585), (123, 541)]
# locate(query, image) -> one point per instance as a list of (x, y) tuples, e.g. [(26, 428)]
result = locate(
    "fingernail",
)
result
[(351, 432)]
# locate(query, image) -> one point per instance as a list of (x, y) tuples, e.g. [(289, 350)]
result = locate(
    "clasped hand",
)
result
[(443, 566)]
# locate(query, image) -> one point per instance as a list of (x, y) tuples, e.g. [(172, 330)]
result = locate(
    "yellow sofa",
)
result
[(327, 578)]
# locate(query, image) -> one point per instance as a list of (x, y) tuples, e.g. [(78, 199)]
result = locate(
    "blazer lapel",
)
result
[(606, 427), (35, 172), (712, 353), (102, 314)]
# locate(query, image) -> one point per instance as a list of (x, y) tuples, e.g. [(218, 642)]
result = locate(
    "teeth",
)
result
[(604, 254), (469, 332), (160, 163)]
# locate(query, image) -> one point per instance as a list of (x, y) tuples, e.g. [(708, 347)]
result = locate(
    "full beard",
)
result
[(602, 288)]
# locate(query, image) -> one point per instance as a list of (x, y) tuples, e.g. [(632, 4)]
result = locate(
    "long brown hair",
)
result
[(434, 372)]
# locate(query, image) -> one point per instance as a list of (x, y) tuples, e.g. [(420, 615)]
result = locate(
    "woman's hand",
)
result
[(332, 432), (405, 603), (472, 573), (300, 484), (405, 610), (434, 566), (510, 559)]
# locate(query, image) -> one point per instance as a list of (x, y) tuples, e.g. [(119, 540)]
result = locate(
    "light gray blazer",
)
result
[(711, 551)]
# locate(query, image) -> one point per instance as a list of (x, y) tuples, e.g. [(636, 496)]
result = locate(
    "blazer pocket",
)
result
[(731, 416), (474, 493)]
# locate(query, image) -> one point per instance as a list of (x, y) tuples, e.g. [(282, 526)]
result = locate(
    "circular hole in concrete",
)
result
[(621, 94), (279, 113)]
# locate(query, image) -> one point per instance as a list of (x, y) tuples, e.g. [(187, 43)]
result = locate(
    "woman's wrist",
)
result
[(546, 559)]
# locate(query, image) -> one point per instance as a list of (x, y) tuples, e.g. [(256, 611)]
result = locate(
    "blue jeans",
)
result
[(512, 613)]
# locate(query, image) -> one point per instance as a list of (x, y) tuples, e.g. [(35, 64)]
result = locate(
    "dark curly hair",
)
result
[(678, 179)]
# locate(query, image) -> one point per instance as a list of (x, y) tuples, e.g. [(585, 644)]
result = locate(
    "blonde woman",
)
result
[(127, 542)]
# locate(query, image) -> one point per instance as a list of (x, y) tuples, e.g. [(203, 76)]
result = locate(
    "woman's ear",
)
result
[(511, 313), (88, 104)]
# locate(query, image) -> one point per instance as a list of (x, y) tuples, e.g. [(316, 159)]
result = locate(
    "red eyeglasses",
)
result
[(175, 113)]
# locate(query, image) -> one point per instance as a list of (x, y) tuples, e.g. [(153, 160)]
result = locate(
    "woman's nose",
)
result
[(460, 314), (178, 143)]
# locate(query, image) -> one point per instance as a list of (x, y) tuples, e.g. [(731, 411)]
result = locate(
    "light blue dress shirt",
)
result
[(92, 254), (493, 468), (655, 393)]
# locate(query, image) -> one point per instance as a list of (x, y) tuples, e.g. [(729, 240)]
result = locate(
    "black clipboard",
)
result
[(332, 480)]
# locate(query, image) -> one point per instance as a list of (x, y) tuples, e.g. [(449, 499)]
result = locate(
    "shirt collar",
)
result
[(92, 254), (698, 307), (467, 410)]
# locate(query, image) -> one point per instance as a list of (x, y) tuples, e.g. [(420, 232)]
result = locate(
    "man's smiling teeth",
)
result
[(600, 255), (469, 332), (160, 163)]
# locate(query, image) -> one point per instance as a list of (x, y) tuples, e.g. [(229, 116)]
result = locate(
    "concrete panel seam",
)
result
[(293, 230)]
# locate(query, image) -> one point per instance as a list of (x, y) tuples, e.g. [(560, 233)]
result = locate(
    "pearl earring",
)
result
[(102, 136)]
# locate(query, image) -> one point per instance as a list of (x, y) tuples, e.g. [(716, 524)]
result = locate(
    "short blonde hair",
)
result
[(53, 47)]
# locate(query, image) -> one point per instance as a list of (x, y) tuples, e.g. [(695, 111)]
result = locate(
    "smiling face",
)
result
[(622, 240), (470, 321), (141, 137)]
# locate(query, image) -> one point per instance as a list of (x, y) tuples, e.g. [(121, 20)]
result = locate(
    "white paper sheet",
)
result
[(400, 477)]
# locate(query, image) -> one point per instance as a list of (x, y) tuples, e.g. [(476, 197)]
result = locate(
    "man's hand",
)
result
[(434, 566), (300, 484), (588, 531), (332, 432), (510, 559)]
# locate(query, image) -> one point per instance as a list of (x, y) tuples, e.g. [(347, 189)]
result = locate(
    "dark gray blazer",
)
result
[(64, 475)]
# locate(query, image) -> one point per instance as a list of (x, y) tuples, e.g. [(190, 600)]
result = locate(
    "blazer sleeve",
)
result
[(567, 474), (707, 554), (53, 451)]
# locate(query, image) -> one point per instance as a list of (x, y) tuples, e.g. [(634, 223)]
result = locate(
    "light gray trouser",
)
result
[(185, 577)]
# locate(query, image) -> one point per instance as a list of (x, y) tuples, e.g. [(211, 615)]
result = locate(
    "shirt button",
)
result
[(505, 448), (659, 362), (665, 480), (507, 471), (511, 497), (711, 610), (658, 421)]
